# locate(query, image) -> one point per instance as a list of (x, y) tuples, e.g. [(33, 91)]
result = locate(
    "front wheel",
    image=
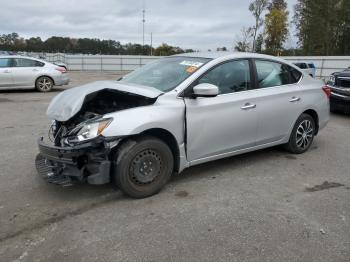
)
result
[(44, 84), (302, 135), (142, 166)]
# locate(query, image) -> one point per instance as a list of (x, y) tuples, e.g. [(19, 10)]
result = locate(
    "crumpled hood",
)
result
[(68, 103)]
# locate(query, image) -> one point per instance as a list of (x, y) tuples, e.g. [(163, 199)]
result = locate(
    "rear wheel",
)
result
[(302, 135), (142, 166), (44, 84)]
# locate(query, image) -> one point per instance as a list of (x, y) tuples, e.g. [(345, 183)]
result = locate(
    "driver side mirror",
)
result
[(205, 90)]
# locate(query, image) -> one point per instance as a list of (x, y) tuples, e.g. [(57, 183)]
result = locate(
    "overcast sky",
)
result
[(198, 24)]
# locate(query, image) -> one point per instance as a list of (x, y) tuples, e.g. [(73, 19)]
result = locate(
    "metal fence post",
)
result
[(82, 63), (322, 65)]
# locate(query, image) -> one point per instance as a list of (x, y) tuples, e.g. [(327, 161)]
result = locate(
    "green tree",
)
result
[(34, 44), (323, 26), (7, 41), (257, 7), (166, 50), (259, 44), (276, 27), (12, 42), (278, 4)]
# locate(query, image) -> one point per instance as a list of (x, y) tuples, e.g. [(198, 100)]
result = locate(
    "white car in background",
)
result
[(307, 68), (28, 72)]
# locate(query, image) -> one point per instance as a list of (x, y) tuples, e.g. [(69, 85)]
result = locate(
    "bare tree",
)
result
[(257, 7), (244, 41)]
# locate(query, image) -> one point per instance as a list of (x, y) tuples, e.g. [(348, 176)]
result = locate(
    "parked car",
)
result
[(307, 68), (340, 87), (177, 112), (28, 72)]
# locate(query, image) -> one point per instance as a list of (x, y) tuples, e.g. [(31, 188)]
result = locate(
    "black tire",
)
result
[(142, 166), (44, 84), (302, 135)]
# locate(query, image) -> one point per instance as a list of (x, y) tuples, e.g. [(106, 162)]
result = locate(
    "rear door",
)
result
[(5, 72), (227, 122), (278, 99), (25, 71)]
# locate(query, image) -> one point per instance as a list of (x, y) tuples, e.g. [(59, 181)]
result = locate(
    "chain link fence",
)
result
[(325, 65)]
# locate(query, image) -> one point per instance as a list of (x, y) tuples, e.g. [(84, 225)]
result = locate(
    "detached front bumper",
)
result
[(88, 162)]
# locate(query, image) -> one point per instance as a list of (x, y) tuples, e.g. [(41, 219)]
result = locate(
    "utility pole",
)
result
[(143, 27), (151, 44)]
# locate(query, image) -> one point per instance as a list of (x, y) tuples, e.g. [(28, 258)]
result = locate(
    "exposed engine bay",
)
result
[(95, 105)]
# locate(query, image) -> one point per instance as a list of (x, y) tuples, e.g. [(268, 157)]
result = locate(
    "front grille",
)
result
[(344, 83), (49, 173)]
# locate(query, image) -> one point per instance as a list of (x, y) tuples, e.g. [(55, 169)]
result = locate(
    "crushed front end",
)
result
[(76, 150), (72, 158)]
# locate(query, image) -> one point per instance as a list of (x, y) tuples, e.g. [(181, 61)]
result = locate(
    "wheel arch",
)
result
[(53, 81), (164, 135), (168, 138)]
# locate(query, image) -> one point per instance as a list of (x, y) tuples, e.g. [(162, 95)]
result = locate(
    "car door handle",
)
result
[(248, 106), (7, 71), (35, 70), (294, 99)]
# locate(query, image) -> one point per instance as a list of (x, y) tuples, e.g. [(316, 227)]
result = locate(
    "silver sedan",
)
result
[(28, 72), (178, 112)]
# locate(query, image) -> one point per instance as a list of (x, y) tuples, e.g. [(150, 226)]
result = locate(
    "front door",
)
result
[(5, 73), (227, 122)]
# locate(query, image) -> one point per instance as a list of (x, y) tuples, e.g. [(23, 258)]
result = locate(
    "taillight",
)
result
[(61, 69), (327, 91)]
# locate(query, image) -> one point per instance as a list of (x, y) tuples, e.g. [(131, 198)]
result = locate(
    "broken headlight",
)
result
[(90, 130)]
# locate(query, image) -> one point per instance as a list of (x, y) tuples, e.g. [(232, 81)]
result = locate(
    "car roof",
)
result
[(233, 55), (219, 54), (303, 62), (20, 56)]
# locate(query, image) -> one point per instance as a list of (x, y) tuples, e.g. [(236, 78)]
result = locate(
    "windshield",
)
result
[(166, 73)]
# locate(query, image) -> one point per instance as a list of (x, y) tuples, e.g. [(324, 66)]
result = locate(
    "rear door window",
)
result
[(24, 62), (271, 74)]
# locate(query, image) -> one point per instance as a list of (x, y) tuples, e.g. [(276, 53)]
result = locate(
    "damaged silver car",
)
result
[(178, 112)]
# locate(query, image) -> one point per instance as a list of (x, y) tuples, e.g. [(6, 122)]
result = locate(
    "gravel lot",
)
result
[(262, 206)]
